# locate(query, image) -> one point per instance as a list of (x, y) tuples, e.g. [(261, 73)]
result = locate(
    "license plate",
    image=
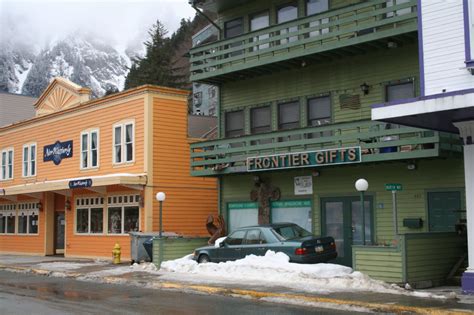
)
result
[(319, 249)]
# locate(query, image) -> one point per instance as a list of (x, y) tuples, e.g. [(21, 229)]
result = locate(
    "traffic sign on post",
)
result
[(396, 187)]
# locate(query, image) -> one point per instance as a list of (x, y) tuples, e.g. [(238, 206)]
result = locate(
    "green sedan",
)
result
[(300, 245)]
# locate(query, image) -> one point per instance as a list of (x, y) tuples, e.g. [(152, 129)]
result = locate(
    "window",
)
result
[(7, 218), (316, 7), (391, 3), (319, 113), (89, 149), (123, 214), (29, 160), (124, 135), (259, 21), (260, 120), (234, 28), (234, 123), (254, 237), (90, 215), (28, 218), (7, 164), (287, 13), (288, 115), (235, 238), (400, 91)]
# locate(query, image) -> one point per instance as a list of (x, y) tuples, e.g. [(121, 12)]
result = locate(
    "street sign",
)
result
[(393, 187)]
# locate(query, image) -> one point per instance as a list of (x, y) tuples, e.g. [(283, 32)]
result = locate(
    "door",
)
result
[(342, 219), (254, 243), (232, 248), (59, 232), (444, 210)]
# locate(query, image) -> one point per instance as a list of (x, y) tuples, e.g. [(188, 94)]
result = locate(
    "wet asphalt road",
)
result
[(30, 294)]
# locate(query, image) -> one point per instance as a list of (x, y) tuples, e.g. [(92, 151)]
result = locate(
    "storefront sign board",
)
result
[(304, 159), (303, 185), (57, 151), (80, 183)]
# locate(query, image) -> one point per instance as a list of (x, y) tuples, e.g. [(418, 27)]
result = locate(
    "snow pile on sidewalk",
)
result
[(66, 265), (276, 269)]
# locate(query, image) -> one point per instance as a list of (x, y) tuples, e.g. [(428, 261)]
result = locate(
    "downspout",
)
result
[(191, 2)]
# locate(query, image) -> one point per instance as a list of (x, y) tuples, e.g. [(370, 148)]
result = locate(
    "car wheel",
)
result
[(204, 259)]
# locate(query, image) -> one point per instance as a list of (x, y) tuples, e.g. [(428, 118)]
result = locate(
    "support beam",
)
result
[(466, 130)]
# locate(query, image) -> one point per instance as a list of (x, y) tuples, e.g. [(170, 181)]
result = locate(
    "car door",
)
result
[(232, 246), (254, 243)]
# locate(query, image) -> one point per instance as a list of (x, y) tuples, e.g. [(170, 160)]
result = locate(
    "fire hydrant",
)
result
[(116, 252)]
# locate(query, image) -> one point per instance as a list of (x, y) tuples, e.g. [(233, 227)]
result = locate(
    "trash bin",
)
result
[(148, 244), (138, 252)]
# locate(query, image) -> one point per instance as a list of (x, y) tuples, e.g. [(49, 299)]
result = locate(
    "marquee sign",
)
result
[(304, 159), (80, 183), (57, 151)]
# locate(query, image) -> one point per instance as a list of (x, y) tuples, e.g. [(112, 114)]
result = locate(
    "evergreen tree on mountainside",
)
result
[(165, 63)]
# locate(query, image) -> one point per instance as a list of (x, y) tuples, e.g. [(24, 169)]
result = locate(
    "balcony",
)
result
[(348, 31), (376, 142)]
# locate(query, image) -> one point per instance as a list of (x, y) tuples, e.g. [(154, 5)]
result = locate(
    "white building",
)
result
[(446, 57)]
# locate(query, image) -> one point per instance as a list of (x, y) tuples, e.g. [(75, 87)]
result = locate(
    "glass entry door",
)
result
[(342, 219)]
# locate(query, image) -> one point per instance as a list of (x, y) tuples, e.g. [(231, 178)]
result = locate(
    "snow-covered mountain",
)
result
[(87, 62)]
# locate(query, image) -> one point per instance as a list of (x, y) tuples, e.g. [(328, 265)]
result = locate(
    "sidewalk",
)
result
[(145, 275)]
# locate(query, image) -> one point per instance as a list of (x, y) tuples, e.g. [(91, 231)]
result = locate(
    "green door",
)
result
[(444, 210), (342, 219)]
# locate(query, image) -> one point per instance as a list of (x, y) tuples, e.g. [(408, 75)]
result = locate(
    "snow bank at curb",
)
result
[(276, 269)]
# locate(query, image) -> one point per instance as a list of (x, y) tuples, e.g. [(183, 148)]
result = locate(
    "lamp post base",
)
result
[(467, 282)]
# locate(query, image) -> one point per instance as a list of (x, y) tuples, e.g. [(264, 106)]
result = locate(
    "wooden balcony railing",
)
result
[(376, 142), (336, 29)]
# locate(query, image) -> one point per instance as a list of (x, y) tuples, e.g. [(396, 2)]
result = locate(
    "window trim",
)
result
[(89, 133), (14, 210), (7, 150), (123, 155), (28, 160), (226, 124), (297, 101), (29, 209), (122, 205), (89, 207)]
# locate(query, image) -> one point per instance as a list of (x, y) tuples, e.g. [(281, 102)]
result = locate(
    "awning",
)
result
[(135, 181)]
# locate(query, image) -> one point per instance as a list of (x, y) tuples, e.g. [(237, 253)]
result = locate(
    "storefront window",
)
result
[(7, 218), (11, 223), (90, 215), (27, 218), (115, 220), (123, 214), (22, 222)]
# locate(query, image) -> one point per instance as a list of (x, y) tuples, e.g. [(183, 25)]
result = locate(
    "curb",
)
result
[(323, 302)]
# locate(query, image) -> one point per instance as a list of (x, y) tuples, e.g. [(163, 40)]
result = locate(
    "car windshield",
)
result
[(290, 232)]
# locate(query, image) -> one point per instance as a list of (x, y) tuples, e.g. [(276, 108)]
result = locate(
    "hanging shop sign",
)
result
[(80, 183), (303, 185), (57, 151), (304, 159)]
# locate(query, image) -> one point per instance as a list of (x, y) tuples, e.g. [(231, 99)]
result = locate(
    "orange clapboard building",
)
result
[(83, 173)]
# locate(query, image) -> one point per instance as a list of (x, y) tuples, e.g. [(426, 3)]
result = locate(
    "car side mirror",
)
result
[(221, 244)]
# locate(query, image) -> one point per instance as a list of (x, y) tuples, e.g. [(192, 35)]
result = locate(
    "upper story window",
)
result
[(316, 6), (259, 21), (260, 120), (29, 160), (289, 115), (285, 13), (391, 3), (234, 28), (6, 164), (319, 111), (124, 142), (234, 123), (89, 149), (90, 215), (400, 91)]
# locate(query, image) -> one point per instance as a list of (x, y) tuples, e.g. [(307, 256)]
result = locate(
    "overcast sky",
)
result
[(118, 21)]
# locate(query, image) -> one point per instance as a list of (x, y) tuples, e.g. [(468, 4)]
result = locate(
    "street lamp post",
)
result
[(362, 185), (161, 196)]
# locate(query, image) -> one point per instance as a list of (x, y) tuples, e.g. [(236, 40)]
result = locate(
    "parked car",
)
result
[(300, 245)]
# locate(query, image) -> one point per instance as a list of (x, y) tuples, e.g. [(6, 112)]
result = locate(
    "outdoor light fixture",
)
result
[(411, 166), (364, 87), (141, 201), (391, 44), (362, 185), (161, 196), (40, 206), (68, 205)]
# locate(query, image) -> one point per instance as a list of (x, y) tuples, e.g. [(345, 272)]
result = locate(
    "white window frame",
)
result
[(8, 163), (88, 150), (123, 144), (29, 208), (112, 202), (91, 205), (30, 171), (6, 210)]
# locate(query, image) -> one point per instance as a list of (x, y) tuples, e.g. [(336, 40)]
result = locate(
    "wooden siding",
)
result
[(174, 248), (430, 257), (189, 200), (344, 76), (383, 263), (443, 47), (339, 181)]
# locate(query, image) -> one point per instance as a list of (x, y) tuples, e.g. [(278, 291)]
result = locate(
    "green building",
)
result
[(297, 80)]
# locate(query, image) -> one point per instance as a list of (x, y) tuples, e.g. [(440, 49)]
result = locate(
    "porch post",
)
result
[(466, 130)]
